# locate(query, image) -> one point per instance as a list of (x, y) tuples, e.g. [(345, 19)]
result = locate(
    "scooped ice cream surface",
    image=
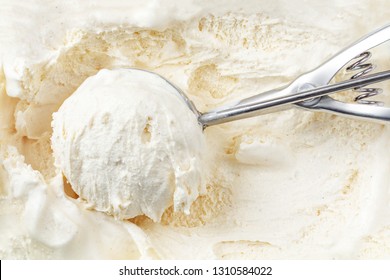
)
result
[(289, 185)]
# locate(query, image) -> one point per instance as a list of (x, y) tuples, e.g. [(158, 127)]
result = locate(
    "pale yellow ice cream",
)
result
[(129, 145), (292, 184)]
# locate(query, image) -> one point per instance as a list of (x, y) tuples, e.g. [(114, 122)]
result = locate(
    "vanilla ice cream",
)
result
[(288, 185), (129, 145)]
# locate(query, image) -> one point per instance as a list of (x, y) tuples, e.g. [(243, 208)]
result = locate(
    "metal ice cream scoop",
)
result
[(311, 90)]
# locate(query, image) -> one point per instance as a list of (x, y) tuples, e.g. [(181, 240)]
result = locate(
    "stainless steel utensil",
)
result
[(311, 90)]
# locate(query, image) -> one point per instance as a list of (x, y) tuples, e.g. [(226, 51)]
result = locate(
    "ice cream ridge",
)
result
[(128, 145), (98, 161)]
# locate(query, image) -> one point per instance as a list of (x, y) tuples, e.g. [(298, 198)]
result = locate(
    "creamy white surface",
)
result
[(293, 184), (129, 145), (39, 222)]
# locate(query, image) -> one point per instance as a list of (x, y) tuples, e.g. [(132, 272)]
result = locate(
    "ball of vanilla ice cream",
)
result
[(129, 145)]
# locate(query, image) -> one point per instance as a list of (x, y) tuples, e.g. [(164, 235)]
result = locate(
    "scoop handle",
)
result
[(276, 100), (241, 111)]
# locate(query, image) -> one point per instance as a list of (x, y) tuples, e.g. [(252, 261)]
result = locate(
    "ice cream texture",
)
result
[(288, 185), (129, 145)]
